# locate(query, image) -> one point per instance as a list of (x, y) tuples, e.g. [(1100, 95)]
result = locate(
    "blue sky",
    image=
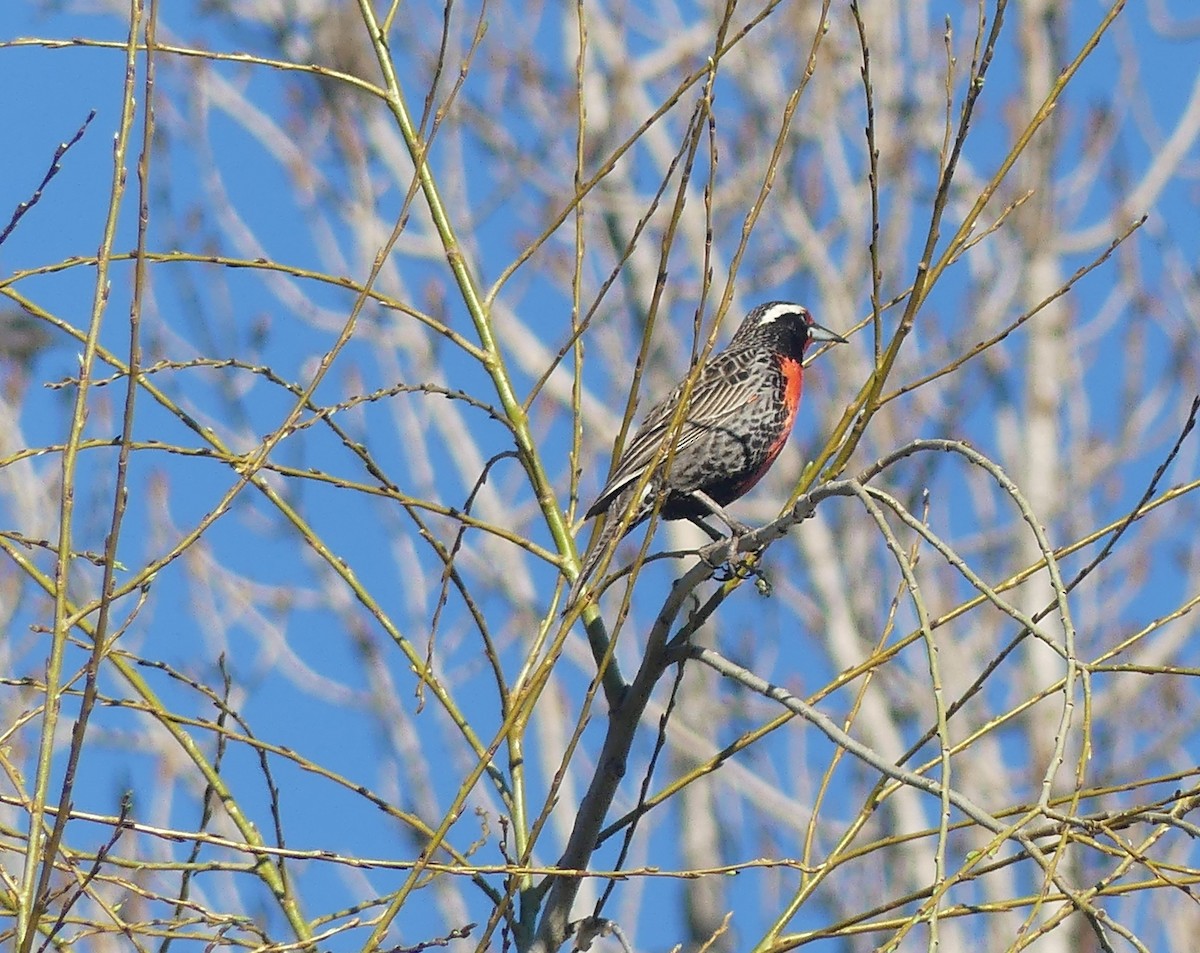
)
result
[(209, 311)]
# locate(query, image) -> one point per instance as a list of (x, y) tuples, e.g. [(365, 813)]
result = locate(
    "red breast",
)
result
[(793, 383)]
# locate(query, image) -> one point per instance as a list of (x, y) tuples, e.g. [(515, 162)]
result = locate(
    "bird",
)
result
[(741, 409)]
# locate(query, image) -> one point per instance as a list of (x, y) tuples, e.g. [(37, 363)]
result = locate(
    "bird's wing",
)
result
[(723, 387)]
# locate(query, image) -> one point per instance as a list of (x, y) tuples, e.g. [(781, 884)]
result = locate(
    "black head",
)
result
[(784, 325)]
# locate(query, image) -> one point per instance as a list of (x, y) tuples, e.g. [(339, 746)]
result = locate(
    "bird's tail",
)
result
[(593, 556)]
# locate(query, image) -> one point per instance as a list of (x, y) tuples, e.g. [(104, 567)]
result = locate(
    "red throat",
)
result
[(793, 377)]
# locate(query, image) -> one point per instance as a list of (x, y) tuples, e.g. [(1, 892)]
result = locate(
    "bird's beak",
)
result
[(818, 333)]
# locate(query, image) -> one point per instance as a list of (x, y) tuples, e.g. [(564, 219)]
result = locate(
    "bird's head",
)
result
[(786, 324)]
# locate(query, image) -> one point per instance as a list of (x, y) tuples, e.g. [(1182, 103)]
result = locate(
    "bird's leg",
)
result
[(736, 568), (737, 527), (713, 534), (716, 537)]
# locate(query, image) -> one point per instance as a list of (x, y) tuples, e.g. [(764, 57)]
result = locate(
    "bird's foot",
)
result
[(744, 568), (728, 564)]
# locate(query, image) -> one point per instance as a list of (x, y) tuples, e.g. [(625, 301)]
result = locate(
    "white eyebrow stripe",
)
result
[(777, 311)]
